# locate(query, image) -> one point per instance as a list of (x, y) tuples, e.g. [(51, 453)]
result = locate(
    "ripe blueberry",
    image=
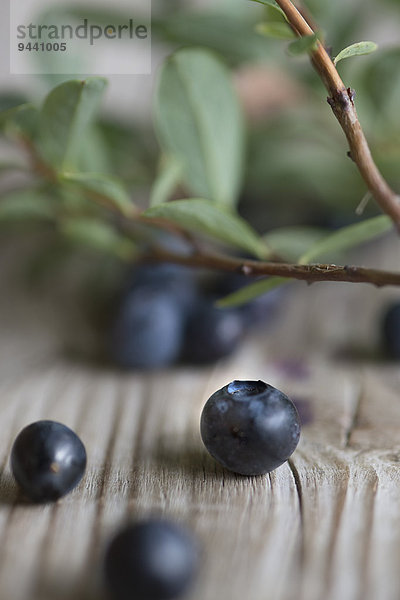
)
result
[(391, 330), (211, 332), (47, 460), (176, 280), (250, 427), (148, 329), (151, 560)]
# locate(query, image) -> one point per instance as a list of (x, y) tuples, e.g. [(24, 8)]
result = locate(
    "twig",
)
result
[(341, 100), (342, 103), (252, 268)]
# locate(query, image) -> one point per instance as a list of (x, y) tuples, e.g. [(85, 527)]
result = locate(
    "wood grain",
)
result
[(326, 525)]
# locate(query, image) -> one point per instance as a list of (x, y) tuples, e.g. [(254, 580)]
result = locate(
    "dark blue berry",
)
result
[(147, 331), (391, 330), (151, 560), (148, 324), (177, 280), (163, 273), (212, 333), (250, 427), (47, 460)]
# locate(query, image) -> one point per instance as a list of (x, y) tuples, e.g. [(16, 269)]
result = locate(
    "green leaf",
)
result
[(99, 236), (280, 31), (203, 216), (103, 188), (94, 154), (272, 4), (131, 151), (168, 178), (347, 237), (251, 291), (307, 43), (291, 242), (26, 205), (199, 121), (357, 49), (8, 114), (66, 114)]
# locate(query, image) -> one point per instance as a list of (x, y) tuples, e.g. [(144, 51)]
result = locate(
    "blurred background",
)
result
[(297, 169), (297, 173)]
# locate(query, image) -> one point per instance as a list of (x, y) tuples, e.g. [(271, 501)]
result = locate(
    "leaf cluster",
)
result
[(89, 174)]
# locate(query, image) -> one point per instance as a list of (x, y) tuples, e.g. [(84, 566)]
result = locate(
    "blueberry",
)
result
[(151, 560), (168, 278), (212, 333), (147, 331), (47, 460), (391, 330), (250, 427), (163, 273), (148, 324)]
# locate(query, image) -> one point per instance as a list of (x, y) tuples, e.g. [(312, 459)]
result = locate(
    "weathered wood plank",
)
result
[(325, 525)]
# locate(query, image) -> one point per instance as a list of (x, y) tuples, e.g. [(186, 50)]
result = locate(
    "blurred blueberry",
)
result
[(147, 330), (165, 277), (211, 333), (161, 273), (391, 330), (151, 560)]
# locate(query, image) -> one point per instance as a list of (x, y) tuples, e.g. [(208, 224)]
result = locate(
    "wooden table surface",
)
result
[(325, 526)]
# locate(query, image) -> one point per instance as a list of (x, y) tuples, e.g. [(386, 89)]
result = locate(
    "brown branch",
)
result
[(252, 268), (341, 100)]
